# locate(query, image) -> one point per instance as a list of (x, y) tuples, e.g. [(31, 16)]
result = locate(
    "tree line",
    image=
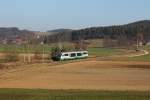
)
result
[(128, 31)]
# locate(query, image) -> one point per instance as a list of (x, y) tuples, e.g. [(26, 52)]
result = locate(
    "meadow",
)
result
[(95, 51), (28, 94), (104, 52)]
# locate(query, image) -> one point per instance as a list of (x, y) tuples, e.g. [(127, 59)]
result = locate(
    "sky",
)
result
[(43, 15)]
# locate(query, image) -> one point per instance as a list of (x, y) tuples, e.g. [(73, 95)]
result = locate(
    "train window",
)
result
[(65, 54), (79, 54), (73, 55), (84, 53)]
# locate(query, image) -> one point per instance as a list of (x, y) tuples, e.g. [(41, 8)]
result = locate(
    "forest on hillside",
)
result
[(128, 31), (125, 33)]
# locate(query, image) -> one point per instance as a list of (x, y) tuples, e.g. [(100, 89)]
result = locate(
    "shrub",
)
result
[(55, 52), (11, 57)]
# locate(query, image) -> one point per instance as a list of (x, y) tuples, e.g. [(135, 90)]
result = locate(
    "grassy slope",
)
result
[(22, 94)]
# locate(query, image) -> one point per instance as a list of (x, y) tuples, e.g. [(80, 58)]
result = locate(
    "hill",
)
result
[(126, 32), (13, 34), (59, 30), (129, 31)]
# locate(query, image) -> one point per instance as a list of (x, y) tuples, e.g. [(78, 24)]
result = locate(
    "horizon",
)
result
[(46, 15), (78, 28)]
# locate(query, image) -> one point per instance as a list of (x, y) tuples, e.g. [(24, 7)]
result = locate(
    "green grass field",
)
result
[(103, 52), (99, 52), (24, 94), (47, 49)]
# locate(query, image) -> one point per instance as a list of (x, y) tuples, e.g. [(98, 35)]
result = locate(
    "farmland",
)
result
[(119, 78), (101, 75), (85, 80)]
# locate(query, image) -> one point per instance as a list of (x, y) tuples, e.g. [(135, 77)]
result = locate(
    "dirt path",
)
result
[(144, 52), (105, 75)]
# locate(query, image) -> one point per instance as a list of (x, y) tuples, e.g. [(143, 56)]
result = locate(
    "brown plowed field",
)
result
[(100, 75)]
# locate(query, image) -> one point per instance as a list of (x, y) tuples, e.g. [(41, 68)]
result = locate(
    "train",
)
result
[(71, 55)]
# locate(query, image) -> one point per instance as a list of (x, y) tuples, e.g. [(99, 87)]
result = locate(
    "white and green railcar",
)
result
[(72, 55)]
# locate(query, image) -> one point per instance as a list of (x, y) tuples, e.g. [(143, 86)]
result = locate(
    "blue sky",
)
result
[(42, 15)]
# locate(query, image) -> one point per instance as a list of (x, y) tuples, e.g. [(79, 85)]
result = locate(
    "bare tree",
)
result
[(81, 45), (139, 40)]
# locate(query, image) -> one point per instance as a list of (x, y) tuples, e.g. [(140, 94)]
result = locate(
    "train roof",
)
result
[(74, 52)]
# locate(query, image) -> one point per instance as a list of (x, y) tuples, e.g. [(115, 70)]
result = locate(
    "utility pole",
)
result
[(43, 49), (24, 55), (43, 54), (137, 44)]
